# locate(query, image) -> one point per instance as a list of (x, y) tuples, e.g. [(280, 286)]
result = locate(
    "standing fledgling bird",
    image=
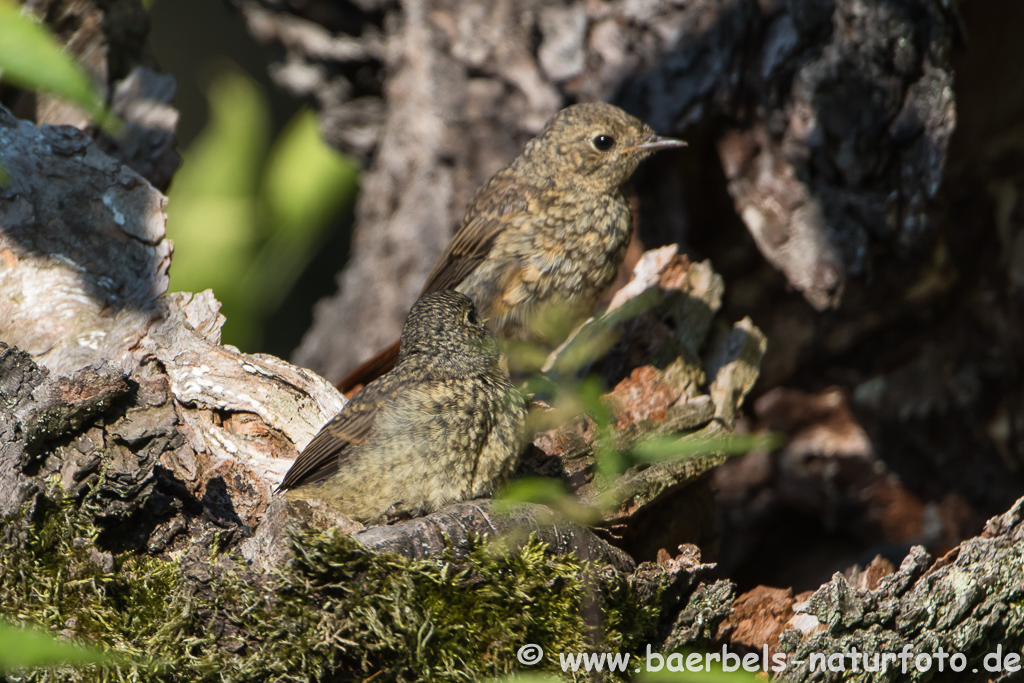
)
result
[(548, 231), (444, 425)]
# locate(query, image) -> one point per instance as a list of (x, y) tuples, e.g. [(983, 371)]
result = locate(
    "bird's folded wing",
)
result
[(325, 453), (497, 207)]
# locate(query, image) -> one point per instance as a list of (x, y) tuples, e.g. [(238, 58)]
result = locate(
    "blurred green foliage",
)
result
[(23, 648), (680, 447), (550, 492), (246, 213), (31, 58)]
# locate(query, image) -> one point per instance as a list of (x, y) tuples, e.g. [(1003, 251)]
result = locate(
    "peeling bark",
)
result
[(115, 381), (962, 602)]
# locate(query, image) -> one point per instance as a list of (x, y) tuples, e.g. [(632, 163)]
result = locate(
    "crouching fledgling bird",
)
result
[(445, 425)]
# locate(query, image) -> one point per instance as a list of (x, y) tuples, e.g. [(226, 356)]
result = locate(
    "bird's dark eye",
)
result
[(471, 317), (603, 142)]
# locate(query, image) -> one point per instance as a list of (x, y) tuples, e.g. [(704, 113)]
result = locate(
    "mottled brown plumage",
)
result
[(444, 425), (549, 230)]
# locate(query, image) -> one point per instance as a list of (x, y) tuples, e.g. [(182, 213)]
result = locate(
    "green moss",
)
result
[(337, 613), (51, 575)]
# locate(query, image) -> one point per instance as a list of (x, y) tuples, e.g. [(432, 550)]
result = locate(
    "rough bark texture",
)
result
[(107, 368), (454, 528), (820, 135), (170, 443), (961, 603), (173, 442)]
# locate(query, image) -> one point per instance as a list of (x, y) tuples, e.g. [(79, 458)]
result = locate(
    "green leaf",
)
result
[(550, 492), (31, 58), (679, 448), (591, 392), (596, 336), (22, 648)]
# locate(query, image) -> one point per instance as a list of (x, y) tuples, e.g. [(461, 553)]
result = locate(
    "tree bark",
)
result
[(83, 292), (175, 441), (959, 603)]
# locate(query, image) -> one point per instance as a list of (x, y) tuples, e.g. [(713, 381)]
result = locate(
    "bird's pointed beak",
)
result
[(656, 142)]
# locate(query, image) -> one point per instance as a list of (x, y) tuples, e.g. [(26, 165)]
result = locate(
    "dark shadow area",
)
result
[(284, 328), (217, 505), (189, 38), (681, 515)]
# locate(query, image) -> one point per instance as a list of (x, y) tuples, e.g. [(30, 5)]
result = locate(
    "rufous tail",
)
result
[(369, 370)]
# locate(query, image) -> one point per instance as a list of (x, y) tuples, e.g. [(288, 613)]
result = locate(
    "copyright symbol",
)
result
[(530, 654)]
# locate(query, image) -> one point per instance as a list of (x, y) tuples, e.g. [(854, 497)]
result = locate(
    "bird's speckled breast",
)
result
[(561, 258)]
